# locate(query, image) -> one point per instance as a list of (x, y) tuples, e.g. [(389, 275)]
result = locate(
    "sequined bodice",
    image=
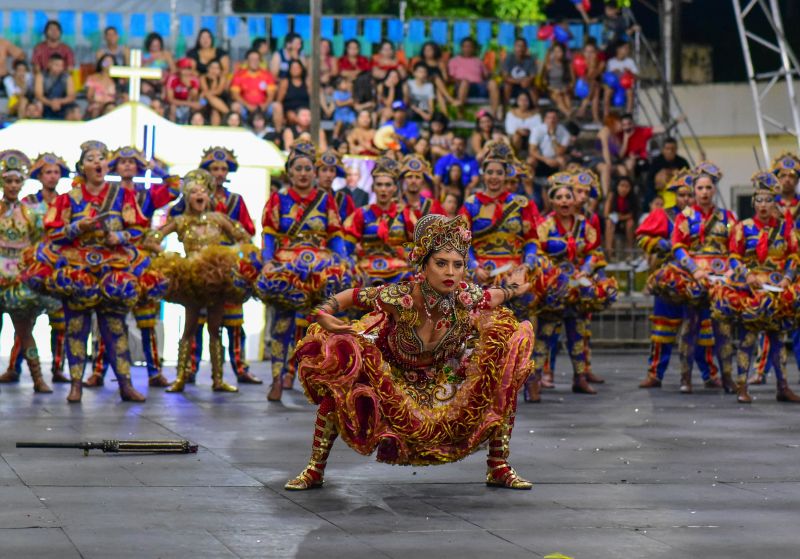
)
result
[(399, 337), (197, 232), (17, 228)]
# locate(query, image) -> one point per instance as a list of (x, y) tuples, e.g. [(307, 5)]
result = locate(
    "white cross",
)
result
[(149, 152), (135, 74)]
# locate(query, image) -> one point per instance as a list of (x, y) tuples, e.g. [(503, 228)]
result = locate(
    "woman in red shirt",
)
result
[(353, 63)]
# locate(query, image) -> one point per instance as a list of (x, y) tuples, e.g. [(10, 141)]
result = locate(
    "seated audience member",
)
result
[(73, 112), (19, 88), (51, 45), (468, 165), (548, 145), (302, 129), (387, 92), (155, 56), (112, 47), (519, 71), (292, 50), (441, 140), (406, 130), (100, 87), (595, 66), (610, 162), (12, 51), (386, 60), (431, 57), (622, 213), (472, 76), (197, 118), (255, 88), (360, 138), (328, 64), (420, 94), (54, 88), (293, 90), (521, 121), (558, 76), (451, 203), (662, 169), (214, 90), (183, 92), (353, 63), (485, 131), (620, 64), (344, 112), (205, 52)]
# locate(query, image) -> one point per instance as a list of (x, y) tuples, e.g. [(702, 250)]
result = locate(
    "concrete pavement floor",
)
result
[(626, 474)]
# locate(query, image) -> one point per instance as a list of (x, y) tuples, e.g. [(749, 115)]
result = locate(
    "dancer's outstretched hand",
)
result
[(334, 325)]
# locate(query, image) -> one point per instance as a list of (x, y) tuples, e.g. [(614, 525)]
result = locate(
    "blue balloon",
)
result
[(560, 34), (611, 80), (581, 89), (619, 97)]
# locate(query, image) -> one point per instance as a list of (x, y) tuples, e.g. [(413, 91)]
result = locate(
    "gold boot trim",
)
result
[(312, 476), (184, 365), (217, 360)]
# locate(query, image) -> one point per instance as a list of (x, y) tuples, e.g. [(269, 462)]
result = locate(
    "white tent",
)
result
[(179, 146)]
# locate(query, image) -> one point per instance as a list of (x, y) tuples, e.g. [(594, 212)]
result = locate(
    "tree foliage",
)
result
[(525, 10)]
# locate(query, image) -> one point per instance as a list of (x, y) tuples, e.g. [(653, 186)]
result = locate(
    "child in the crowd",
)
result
[(344, 113), (622, 211), (451, 202), (441, 140)]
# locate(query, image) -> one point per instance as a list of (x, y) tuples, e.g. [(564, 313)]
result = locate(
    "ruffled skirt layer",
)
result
[(115, 278), (302, 277), (423, 416)]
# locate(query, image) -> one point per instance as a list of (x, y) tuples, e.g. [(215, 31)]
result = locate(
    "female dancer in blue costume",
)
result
[(373, 236), (571, 243), (786, 168), (761, 293), (128, 163), (304, 256), (90, 261), (655, 238), (700, 246)]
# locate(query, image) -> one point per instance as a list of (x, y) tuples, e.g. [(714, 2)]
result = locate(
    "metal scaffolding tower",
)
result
[(782, 66)]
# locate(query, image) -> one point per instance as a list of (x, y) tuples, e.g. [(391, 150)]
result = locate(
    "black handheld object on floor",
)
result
[(158, 447)]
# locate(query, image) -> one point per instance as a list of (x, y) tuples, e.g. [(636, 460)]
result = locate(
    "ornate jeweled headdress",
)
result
[(765, 182), (13, 161), (200, 177), (587, 180), (708, 169), (786, 161), (128, 152), (86, 147), (329, 158), (413, 163), (301, 150), (222, 154), (436, 232), (682, 181), (48, 159), (562, 179), (498, 152), (386, 167)]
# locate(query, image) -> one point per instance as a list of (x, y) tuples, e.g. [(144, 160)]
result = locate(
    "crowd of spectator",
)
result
[(568, 107)]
